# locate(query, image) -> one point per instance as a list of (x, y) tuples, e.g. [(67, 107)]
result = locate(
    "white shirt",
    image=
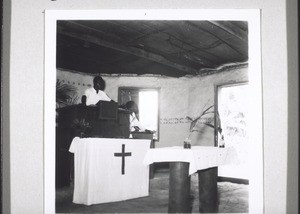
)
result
[(92, 97), (135, 122)]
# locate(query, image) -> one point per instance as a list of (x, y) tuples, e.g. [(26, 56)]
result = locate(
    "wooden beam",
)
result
[(233, 30), (190, 49), (216, 36), (129, 50)]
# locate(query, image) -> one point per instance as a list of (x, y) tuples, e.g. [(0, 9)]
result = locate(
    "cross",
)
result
[(123, 154)]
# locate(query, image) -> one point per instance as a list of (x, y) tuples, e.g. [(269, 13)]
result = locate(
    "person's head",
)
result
[(132, 106), (99, 83)]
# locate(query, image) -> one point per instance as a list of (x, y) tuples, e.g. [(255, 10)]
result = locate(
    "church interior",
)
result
[(199, 60), (189, 79)]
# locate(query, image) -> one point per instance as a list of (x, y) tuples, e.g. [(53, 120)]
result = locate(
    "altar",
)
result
[(109, 170), (202, 160), (199, 157)]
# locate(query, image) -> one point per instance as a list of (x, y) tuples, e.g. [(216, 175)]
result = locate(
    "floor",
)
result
[(233, 198)]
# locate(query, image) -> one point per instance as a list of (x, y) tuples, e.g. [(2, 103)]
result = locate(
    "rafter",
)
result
[(216, 36), (229, 28), (127, 49)]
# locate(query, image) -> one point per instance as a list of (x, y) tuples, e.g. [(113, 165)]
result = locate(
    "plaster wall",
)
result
[(179, 97), (24, 80)]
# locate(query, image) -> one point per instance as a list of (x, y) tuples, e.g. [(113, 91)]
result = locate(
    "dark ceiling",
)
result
[(170, 48)]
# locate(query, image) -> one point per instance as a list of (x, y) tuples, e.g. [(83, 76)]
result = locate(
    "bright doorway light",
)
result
[(232, 107), (148, 110)]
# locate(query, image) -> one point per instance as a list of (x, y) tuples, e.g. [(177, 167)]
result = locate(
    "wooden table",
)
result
[(185, 162)]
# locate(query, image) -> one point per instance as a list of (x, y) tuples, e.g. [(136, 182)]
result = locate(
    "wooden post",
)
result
[(208, 190), (179, 188)]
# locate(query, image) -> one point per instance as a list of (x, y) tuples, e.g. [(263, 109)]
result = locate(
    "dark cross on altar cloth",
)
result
[(123, 155)]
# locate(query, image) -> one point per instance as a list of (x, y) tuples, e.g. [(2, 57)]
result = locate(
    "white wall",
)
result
[(24, 63), (179, 97)]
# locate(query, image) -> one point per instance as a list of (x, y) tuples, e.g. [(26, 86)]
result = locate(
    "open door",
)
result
[(147, 100), (232, 107)]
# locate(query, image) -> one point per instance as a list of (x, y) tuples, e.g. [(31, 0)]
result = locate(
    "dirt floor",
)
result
[(233, 198)]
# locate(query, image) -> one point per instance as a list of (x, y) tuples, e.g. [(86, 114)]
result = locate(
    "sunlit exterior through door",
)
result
[(232, 107), (148, 110)]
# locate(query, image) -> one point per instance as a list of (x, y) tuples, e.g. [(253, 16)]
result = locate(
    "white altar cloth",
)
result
[(199, 157), (98, 170)]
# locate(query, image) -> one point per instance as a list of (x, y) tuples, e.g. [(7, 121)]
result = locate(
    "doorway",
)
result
[(232, 107), (147, 101)]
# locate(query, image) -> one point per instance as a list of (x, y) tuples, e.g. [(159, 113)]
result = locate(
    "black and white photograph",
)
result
[(148, 106), (152, 116)]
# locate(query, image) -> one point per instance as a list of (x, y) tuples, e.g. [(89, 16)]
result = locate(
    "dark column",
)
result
[(208, 190), (179, 188)]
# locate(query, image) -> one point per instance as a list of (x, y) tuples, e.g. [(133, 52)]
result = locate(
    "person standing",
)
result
[(96, 93)]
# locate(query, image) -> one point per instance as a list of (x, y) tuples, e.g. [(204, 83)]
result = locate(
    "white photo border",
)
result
[(252, 16)]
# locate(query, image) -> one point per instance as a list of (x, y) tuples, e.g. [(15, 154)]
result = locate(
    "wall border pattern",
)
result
[(183, 120)]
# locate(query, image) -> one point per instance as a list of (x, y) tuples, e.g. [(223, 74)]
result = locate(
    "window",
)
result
[(232, 105), (147, 101)]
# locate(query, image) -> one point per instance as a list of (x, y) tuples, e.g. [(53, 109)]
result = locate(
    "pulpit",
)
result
[(105, 120)]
